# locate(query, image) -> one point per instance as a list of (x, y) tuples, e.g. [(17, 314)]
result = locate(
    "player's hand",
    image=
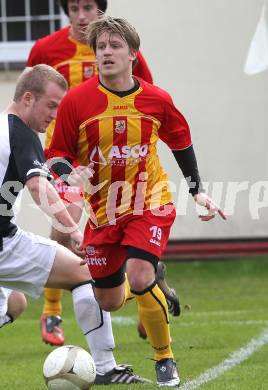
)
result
[(203, 200), (80, 174), (77, 242)]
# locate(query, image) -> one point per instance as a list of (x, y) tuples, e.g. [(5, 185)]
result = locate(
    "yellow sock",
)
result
[(52, 303), (153, 312), (128, 294)]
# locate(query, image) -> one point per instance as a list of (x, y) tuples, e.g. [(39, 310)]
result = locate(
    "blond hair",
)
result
[(113, 26), (34, 79)]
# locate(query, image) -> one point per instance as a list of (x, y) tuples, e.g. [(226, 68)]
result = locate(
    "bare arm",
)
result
[(46, 197)]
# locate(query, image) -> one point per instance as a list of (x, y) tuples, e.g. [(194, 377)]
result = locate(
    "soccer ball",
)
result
[(69, 368)]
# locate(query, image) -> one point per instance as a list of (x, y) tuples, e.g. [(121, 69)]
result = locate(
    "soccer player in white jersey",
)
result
[(29, 262)]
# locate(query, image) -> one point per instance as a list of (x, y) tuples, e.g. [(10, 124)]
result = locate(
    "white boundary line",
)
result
[(126, 321), (123, 321), (233, 360), (224, 322), (218, 312)]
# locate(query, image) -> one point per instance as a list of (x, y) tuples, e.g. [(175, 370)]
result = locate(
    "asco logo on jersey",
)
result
[(126, 151), (118, 152)]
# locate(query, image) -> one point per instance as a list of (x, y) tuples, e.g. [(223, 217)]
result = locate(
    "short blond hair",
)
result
[(34, 79), (113, 26)]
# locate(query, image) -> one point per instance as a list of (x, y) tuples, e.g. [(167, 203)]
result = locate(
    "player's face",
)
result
[(113, 55), (44, 109), (81, 14)]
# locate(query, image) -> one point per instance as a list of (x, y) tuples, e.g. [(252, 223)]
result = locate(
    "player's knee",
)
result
[(140, 273), (23, 303), (139, 283), (17, 304)]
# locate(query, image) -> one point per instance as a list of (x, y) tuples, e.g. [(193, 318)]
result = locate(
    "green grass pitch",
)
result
[(224, 307)]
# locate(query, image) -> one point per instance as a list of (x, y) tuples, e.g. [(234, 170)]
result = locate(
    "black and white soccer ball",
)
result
[(69, 368)]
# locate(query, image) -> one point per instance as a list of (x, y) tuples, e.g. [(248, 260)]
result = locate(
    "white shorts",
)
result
[(26, 261)]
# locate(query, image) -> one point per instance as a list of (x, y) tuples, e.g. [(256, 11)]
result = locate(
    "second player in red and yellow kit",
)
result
[(118, 134)]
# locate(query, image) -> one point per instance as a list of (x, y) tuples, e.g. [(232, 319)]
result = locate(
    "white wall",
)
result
[(196, 51)]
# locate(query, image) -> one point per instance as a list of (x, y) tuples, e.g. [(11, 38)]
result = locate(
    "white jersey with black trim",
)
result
[(21, 157)]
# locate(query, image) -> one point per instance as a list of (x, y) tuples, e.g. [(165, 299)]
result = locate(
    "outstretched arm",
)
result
[(187, 162), (47, 198)]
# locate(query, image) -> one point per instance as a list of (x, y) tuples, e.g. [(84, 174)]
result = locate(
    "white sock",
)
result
[(96, 326), (6, 319)]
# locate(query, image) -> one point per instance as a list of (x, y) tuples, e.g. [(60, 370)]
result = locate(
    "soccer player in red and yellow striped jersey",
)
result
[(67, 51), (112, 122), (118, 134)]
